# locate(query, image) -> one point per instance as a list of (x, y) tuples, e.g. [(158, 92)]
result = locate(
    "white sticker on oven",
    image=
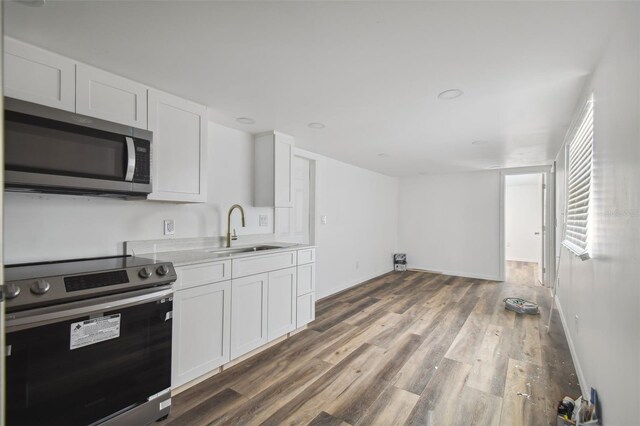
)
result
[(85, 333)]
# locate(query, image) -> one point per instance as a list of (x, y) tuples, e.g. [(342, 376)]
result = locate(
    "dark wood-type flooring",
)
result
[(410, 348)]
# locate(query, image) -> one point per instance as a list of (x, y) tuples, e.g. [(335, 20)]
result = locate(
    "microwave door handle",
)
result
[(131, 159)]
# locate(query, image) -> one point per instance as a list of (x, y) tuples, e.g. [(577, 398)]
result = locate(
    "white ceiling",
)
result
[(371, 72)]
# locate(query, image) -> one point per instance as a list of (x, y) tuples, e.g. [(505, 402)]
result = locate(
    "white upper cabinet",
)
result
[(108, 96), (274, 169), (179, 148), (36, 75)]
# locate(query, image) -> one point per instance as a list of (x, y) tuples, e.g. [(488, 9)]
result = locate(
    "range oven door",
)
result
[(51, 150), (89, 362)]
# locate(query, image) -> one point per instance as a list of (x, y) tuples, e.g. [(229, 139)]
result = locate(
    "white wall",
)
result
[(48, 227), (360, 236), (450, 223), (522, 218), (600, 297)]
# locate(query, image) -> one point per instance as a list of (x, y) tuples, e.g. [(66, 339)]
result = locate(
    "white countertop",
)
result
[(213, 254)]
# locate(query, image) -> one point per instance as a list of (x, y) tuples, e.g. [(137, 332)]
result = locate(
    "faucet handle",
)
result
[(234, 236)]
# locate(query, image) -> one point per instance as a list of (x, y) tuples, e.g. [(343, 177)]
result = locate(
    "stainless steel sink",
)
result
[(230, 251)]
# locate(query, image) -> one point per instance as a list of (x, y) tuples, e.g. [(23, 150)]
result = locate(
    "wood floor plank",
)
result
[(524, 399), (352, 404), (412, 347), (421, 367), (489, 371), (392, 407), (342, 348), (478, 408), (304, 407), (469, 339), (210, 408), (277, 394), (326, 419), (438, 403)]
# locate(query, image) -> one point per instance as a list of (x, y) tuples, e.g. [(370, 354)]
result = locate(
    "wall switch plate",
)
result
[(169, 227), (264, 220), (323, 220)]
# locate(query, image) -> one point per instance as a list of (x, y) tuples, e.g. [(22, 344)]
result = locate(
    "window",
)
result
[(579, 159)]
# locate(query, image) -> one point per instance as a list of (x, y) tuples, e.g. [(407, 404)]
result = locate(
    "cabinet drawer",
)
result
[(306, 278), (306, 309), (203, 273), (306, 256), (258, 264)]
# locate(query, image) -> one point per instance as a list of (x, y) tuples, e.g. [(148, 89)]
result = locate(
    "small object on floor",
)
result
[(400, 261), (521, 306)]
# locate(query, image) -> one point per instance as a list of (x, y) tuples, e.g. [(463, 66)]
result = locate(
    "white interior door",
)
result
[(542, 268)]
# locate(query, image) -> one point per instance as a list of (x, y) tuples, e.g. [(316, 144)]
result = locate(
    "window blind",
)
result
[(579, 165)]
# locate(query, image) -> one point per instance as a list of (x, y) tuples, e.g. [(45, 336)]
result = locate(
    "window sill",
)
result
[(582, 254)]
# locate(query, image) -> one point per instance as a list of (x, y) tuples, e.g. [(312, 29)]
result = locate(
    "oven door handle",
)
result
[(42, 316), (131, 159)]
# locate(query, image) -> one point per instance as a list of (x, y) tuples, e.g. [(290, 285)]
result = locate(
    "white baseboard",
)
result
[(495, 277), (521, 259), (350, 284), (584, 387)]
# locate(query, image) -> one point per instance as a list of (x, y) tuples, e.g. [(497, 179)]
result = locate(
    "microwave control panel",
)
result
[(142, 173)]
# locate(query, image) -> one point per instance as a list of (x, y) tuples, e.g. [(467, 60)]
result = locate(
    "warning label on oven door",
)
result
[(85, 333)]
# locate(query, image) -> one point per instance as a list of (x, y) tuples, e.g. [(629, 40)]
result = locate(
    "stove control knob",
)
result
[(40, 287), (11, 291), (145, 272), (162, 270)]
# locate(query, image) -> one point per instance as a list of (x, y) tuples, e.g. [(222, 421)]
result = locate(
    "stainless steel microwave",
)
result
[(56, 151)]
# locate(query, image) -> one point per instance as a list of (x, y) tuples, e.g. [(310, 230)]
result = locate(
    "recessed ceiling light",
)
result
[(479, 142), (316, 125), (245, 120), (383, 155), (450, 94)]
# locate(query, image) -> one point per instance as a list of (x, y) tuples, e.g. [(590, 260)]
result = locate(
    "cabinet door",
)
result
[(283, 171), (110, 97), (248, 313), (35, 75), (201, 330), (273, 170), (281, 307), (179, 148), (306, 309), (306, 279)]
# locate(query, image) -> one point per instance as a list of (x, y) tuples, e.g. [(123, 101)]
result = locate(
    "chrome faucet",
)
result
[(234, 236)]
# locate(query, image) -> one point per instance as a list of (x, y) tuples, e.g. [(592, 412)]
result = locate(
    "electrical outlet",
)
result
[(323, 220), (169, 227), (264, 220)]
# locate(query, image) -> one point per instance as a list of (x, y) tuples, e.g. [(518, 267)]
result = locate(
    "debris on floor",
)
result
[(578, 412), (521, 306)]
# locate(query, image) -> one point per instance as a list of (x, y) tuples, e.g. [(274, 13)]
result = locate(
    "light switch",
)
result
[(264, 220), (323, 220)]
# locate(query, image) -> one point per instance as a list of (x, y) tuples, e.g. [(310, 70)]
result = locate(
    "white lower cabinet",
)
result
[(306, 309), (248, 313), (281, 306), (201, 330), (217, 320)]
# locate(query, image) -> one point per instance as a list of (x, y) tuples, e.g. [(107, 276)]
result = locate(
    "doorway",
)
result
[(524, 239), (526, 235)]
